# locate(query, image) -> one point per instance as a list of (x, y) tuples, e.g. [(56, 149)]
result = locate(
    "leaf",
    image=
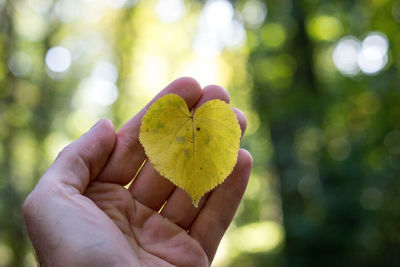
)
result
[(196, 151)]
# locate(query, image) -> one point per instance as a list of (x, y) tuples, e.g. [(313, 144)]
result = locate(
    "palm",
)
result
[(152, 239)]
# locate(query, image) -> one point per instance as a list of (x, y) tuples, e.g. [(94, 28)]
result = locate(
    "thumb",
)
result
[(81, 161)]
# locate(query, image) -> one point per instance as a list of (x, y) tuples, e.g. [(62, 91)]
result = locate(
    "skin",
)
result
[(80, 213)]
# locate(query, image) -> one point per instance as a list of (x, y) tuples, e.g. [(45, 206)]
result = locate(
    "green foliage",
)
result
[(331, 132), (318, 81)]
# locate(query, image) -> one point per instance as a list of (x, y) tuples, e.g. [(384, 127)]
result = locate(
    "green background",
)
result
[(318, 81)]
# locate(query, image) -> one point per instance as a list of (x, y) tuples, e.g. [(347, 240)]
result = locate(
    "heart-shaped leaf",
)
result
[(195, 151)]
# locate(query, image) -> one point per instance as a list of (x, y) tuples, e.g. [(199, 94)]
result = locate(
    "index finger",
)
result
[(128, 154)]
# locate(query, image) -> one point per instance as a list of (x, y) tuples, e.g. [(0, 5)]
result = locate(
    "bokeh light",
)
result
[(318, 83), (218, 29), (218, 14), (29, 24), (373, 55), (370, 56), (170, 10), (234, 35), (20, 64), (345, 55), (97, 91), (324, 28), (115, 3), (273, 35), (5, 255), (58, 59), (251, 233), (105, 70), (68, 11), (254, 13), (207, 44)]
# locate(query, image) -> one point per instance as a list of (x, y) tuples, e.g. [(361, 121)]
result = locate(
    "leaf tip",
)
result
[(195, 203)]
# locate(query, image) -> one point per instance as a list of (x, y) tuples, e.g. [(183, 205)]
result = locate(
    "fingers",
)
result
[(82, 160), (179, 208), (242, 120), (149, 187), (217, 213), (211, 92), (128, 154)]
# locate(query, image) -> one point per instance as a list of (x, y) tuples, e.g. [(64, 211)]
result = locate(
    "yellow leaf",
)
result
[(196, 151)]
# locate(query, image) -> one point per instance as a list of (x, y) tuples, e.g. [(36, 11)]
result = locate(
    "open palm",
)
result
[(81, 214)]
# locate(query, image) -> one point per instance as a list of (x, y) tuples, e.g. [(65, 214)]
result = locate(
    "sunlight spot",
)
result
[(106, 71), (324, 27), (20, 64), (81, 120), (254, 13), (68, 10), (55, 142), (234, 35), (153, 73), (41, 7), (30, 259), (203, 70), (6, 255), (58, 59), (218, 13), (345, 55), (373, 56), (250, 236), (350, 56), (273, 35), (87, 48), (170, 10), (224, 254), (207, 44), (94, 10), (28, 24), (97, 91), (115, 3), (218, 29)]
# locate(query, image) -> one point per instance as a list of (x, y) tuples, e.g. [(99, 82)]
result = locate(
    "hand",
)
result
[(80, 213)]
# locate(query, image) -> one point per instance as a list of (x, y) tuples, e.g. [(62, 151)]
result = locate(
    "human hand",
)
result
[(80, 213)]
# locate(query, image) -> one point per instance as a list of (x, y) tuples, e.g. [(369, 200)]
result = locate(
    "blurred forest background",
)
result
[(319, 82)]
